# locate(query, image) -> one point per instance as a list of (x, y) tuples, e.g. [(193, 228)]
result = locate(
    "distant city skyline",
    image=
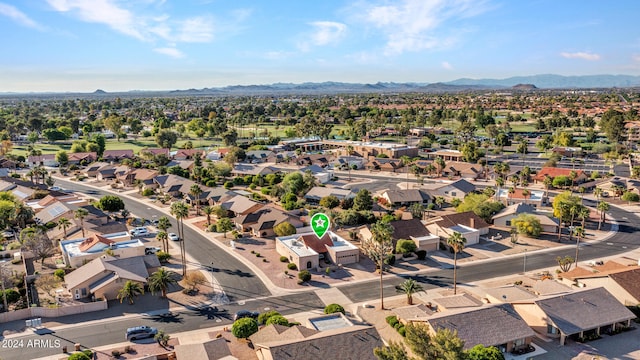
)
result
[(116, 45)]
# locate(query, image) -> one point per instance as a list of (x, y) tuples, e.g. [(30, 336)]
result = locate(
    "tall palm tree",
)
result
[(583, 215), (597, 192), (579, 235), (181, 210), (130, 291), (440, 164), (196, 190), (457, 242), (349, 151), (381, 236), (572, 176), (80, 214), (163, 237), (547, 182), (409, 287), (64, 224), (164, 223), (603, 207), (23, 214), (161, 280), (499, 184), (208, 210)]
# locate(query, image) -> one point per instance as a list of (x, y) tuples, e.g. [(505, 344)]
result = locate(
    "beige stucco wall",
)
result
[(611, 286), (534, 317), (344, 257)]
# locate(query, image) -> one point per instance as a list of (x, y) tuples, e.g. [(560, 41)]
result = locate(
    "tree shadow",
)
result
[(167, 318)]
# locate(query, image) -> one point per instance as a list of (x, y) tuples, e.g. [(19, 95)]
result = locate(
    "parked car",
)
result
[(140, 332), (245, 314), (151, 250), (56, 188), (139, 231), (173, 237)]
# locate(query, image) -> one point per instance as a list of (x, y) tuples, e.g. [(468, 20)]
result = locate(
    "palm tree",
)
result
[(547, 182), (572, 176), (526, 193), (163, 237), (349, 151), (583, 214), (80, 214), (381, 236), (579, 235), (23, 214), (181, 210), (440, 163), (164, 223), (456, 241), (64, 224), (409, 287), (500, 184), (196, 190), (130, 291), (597, 192), (603, 207), (161, 280), (208, 210)]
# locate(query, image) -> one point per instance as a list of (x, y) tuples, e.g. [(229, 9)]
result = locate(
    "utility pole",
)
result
[(4, 293), (524, 267)]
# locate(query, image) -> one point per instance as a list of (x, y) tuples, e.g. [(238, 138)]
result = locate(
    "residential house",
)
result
[(130, 177), (82, 158), (316, 193), (91, 171), (536, 198), (405, 197), (383, 164), (104, 276), (463, 170), (506, 216), (457, 302), (633, 130), (508, 294), (261, 222), (48, 160), (467, 223), (413, 313), (253, 169), (151, 152), (77, 252), (415, 230), (22, 193), (367, 149), (570, 152), (322, 175), (188, 154), (173, 185), (575, 315), (622, 281), (355, 342), (241, 205), (321, 160), (455, 190), (498, 325), (346, 162), (258, 156), (216, 349), (447, 155), (117, 155), (305, 249), (553, 172)]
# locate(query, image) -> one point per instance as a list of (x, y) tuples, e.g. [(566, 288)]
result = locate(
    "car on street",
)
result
[(139, 231), (245, 314), (56, 188), (140, 332), (173, 237), (151, 250)]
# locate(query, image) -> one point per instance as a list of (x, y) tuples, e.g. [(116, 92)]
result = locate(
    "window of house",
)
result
[(508, 222), (518, 342), (552, 329), (453, 193), (308, 264), (84, 291)]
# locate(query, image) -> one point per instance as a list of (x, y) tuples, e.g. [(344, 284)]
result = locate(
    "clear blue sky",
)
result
[(119, 45)]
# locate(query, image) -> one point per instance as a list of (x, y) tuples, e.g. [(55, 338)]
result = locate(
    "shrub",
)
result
[(228, 185), (333, 308), (128, 349), (277, 320), (59, 274), (115, 353), (402, 331), (245, 327), (262, 318), (147, 192), (79, 356), (284, 259), (390, 260), (304, 275), (264, 260), (257, 254), (291, 266), (163, 257), (392, 320), (327, 271), (405, 246), (422, 254), (14, 245)]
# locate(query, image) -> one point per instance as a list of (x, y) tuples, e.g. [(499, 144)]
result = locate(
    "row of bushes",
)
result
[(396, 324)]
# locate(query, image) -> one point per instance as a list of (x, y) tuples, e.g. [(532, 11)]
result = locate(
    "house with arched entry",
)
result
[(306, 250)]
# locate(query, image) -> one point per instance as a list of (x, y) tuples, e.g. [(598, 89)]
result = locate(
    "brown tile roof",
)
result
[(318, 245), (630, 281), (276, 333), (490, 326), (209, 350), (405, 229), (464, 218), (91, 241)]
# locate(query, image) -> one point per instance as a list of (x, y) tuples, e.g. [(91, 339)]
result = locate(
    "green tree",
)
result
[(409, 287), (379, 246), (418, 337), (527, 224), (405, 247), (160, 280), (224, 225), (196, 191), (579, 231), (417, 210), (603, 207), (180, 211), (110, 203), (166, 138), (329, 202), (456, 241), (630, 197), (394, 351), (64, 224), (162, 338), (564, 263), (208, 210), (277, 320), (447, 345), (363, 200), (333, 308), (612, 123), (163, 237), (62, 158), (284, 229), (80, 214), (243, 328), (481, 352), (130, 291)]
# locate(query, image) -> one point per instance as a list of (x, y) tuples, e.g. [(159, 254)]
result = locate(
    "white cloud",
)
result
[(412, 25), (170, 51), (636, 57), (150, 27), (324, 33), (447, 66), (581, 55), (18, 16)]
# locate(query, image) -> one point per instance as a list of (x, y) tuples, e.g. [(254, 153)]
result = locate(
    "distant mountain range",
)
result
[(518, 83)]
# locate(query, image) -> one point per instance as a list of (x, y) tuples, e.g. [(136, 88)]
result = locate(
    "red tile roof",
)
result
[(553, 172), (91, 241), (317, 245)]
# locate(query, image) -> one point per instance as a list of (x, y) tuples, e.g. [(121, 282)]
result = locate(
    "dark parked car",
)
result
[(245, 314)]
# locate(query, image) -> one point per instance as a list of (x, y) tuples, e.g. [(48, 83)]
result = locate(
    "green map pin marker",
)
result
[(320, 224)]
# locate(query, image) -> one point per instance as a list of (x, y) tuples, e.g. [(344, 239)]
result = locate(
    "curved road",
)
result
[(240, 283)]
